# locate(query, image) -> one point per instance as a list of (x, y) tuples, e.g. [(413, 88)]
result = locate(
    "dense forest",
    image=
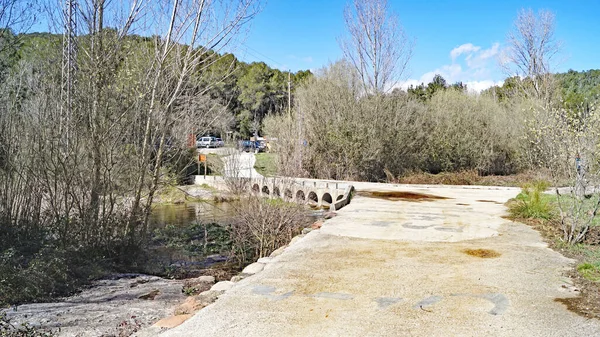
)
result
[(248, 92), (245, 92)]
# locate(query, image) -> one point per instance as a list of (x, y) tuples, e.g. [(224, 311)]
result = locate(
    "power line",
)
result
[(261, 55)]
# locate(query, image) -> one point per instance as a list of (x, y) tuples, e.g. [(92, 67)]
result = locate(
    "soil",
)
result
[(588, 303)]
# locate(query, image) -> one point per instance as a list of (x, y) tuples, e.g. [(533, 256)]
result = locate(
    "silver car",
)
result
[(206, 142)]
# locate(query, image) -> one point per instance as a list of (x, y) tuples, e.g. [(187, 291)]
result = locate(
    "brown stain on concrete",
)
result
[(461, 204), (572, 304), (401, 196), (490, 201), (482, 253)]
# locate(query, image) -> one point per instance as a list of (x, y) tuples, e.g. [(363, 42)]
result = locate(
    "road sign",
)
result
[(202, 158)]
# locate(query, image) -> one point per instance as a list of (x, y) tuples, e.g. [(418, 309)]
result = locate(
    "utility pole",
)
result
[(69, 66), (290, 94)]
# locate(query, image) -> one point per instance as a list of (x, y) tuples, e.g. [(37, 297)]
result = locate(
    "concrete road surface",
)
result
[(404, 264), (240, 164)]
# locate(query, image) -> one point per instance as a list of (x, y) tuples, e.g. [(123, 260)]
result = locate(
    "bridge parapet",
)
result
[(331, 195)]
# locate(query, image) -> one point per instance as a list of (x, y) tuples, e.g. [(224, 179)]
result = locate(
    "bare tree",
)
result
[(17, 15), (532, 51), (377, 44), (196, 31)]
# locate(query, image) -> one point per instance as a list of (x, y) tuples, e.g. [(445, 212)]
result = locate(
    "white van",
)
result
[(206, 142)]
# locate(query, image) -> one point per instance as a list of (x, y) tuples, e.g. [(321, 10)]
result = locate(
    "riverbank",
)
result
[(190, 241)]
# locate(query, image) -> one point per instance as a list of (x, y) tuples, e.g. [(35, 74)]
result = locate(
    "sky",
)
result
[(460, 39)]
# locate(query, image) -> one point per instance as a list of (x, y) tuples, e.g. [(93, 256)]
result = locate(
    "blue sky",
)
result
[(303, 34)]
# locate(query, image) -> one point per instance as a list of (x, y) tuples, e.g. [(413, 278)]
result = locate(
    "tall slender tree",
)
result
[(376, 45)]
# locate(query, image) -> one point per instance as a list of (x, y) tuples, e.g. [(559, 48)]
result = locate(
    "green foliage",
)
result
[(424, 92), (579, 88), (590, 271), (376, 138), (532, 203), (197, 239), (266, 164)]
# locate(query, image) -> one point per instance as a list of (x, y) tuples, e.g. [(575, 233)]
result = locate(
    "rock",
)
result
[(329, 215), (254, 268), (278, 251), (306, 230), (265, 260), (188, 307), (171, 322), (317, 224), (238, 278), (198, 285), (222, 286), (150, 296), (295, 239), (206, 278), (207, 298)]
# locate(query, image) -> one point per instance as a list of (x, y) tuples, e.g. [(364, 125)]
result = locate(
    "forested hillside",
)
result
[(241, 94)]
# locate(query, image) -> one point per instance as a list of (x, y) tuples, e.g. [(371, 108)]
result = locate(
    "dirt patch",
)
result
[(482, 253), (401, 196), (461, 204)]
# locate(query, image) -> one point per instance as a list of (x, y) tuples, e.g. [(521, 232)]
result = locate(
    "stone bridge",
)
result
[(316, 193)]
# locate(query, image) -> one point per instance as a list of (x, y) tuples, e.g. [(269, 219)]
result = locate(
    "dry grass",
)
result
[(471, 177)]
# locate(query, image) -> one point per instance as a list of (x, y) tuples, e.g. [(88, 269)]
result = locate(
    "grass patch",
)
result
[(266, 164), (533, 203), (214, 164), (591, 271), (541, 211)]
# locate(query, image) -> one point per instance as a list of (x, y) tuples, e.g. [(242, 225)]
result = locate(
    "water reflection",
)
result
[(188, 213), (189, 237)]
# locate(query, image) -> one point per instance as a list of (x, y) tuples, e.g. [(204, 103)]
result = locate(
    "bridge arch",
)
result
[(300, 196), (265, 190), (287, 194), (276, 192), (327, 198), (255, 188)]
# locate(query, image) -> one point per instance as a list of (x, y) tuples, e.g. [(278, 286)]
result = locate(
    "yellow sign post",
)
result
[(202, 159)]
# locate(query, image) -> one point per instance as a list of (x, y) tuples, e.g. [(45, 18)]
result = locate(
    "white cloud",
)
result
[(471, 64), (479, 86), (466, 48), (487, 53)]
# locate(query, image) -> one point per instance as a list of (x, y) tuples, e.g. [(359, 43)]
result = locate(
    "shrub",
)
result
[(532, 202), (263, 225)]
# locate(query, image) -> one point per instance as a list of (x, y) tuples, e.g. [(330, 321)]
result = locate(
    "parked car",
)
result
[(261, 145), (220, 142), (248, 146), (207, 142)]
